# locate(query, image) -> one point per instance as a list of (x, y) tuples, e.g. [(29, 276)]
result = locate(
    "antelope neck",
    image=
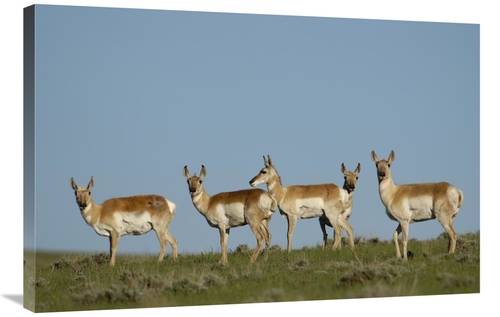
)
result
[(276, 189), (91, 212), (200, 201)]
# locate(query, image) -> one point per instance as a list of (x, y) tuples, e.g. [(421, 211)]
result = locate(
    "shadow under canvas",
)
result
[(16, 298)]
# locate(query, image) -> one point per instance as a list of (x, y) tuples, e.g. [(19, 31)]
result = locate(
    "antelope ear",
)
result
[(374, 157), (391, 156), (342, 169), (266, 163), (203, 172), (185, 172), (73, 184), (358, 169), (91, 183), (269, 160)]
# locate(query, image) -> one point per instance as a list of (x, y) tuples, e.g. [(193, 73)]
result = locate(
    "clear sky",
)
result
[(131, 96)]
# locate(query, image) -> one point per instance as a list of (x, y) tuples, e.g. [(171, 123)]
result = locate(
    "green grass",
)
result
[(66, 282)]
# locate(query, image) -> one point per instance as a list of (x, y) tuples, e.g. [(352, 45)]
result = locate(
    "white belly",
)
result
[(309, 208), (421, 208), (133, 223), (233, 214)]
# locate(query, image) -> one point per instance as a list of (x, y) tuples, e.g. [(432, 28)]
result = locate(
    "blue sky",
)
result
[(130, 98)]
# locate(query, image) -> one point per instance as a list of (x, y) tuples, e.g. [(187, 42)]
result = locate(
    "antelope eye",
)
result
[(389, 165), (263, 172), (201, 182), (356, 177)]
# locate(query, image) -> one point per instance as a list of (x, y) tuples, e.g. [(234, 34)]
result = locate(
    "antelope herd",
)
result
[(331, 204)]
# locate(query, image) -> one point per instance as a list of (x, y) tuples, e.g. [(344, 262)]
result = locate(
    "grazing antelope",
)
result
[(227, 210), (350, 179), (306, 201), (417, 202), (134, 215)]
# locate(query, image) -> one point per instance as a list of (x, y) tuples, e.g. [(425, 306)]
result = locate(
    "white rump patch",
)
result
[(453, 196), (172, 206), (265, 203)]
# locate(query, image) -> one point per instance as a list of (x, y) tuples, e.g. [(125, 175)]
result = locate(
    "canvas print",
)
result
[(181, 158)]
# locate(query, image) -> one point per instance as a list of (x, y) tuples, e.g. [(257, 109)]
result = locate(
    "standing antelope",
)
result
[(227, 210), (350, 179), (134, 215), (417, 202), (306, 201)]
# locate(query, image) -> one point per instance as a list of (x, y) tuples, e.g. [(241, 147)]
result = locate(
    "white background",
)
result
[(11, 17)]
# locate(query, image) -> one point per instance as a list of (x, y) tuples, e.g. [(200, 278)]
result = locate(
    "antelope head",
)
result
[(82, 194), (195, 182), (383, 166), (350, 178), (265, 174)]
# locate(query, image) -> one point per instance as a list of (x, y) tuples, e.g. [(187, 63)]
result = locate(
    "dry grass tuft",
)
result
[(380, 272), (298, 265), (114, 294), (38, 282), (451, 280), (272, 295)]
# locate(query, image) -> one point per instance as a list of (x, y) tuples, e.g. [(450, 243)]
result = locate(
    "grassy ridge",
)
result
[(82, 282)]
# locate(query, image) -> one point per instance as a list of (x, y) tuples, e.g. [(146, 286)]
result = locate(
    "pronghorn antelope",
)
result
[(350, 179), (134, 215), (306, 201), (417, 202), (227, 210)]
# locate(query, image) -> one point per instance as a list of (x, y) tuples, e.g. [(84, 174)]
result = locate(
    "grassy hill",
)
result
[(66, 282)]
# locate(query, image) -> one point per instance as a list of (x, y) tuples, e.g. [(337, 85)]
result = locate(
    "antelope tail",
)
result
[(460, 198)]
